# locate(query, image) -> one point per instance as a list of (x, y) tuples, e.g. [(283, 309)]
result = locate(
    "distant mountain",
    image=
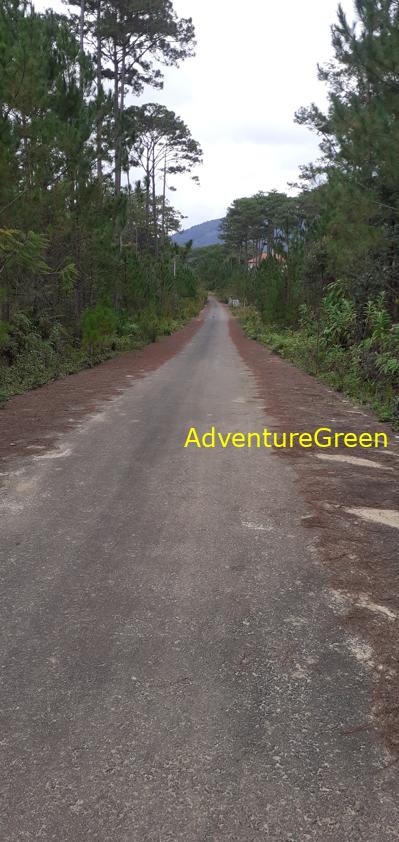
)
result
[(205, 234)]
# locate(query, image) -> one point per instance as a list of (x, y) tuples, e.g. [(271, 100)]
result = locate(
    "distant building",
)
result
[(255, 262)]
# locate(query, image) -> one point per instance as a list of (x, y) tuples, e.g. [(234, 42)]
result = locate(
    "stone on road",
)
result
[(171, 666)]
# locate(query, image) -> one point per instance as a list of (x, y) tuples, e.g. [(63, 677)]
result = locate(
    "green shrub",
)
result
[(98, 326), (327, 345), (4, 335), (34, 352)]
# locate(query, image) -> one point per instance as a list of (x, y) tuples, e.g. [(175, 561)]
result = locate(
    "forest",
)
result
[(318, 272), (87, 267)]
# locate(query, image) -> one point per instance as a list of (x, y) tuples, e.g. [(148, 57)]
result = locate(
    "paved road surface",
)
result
[(172, 666)]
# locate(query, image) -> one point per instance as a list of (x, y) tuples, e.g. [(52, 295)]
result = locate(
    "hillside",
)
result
[(204, 234)]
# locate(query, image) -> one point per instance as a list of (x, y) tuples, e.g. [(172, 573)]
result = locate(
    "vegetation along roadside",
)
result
[(87, 266), (317, 272)]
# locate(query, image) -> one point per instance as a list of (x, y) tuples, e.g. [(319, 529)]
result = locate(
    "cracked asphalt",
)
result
[(173, 665)]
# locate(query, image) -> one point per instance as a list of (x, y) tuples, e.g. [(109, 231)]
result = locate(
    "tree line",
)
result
[(86, 262), (321, 268)]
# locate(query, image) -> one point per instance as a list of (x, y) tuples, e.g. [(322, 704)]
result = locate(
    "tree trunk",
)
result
[(122, 87), (154, 203), (117, 176), (78, 285), (119, 94), (99, 90), (164, 202), (147, 198)]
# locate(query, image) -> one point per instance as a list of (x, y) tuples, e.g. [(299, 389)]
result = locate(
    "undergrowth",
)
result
[(362, 361), (34, 352)]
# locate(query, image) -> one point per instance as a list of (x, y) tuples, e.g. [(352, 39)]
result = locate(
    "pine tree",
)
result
[(359, 143), (135, 38), (162, 144)]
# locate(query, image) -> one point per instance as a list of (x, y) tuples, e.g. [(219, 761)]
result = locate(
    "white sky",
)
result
[(255, 65)]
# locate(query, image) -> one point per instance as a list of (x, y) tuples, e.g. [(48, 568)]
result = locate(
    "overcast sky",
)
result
[(255, 65)]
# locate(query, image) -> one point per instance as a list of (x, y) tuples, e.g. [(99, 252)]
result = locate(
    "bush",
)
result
[(98, 326), (327, 345), (4, 335), (34, 352)]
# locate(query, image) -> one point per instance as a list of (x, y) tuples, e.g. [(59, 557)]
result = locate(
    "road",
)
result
[(172, 664)]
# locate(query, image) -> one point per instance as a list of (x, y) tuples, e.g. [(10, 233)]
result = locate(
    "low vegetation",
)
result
[(33, 353), (359, 358)]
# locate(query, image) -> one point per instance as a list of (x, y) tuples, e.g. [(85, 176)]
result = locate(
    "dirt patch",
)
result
[(362, 556), (386, 517), (33, 421), (357, 461)]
